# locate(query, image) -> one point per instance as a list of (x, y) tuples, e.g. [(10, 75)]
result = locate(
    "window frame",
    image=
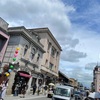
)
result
[(32, 54), (51, 66), (25, 50), (38, 57), (53, 51)]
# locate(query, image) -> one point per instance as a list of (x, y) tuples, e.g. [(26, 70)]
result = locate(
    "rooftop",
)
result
[(46, 29)]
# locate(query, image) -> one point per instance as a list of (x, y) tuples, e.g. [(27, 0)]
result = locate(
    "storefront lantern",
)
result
[(9, 70), (16, 51), (17, 48), (15, 55), (11, 66), (14, 59), (7, 74)]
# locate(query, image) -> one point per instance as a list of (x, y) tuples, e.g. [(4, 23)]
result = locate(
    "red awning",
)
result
[(25, 75)]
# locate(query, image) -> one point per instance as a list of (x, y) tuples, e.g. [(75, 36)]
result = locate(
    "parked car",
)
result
[(78, 95)]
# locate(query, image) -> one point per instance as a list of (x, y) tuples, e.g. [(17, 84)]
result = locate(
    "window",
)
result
[(57, 54), (25, 49), (32, 54), (49, 45), (53, 51), (55, 67), (46, 62), (38, 57), (50, 66), (62, 92)]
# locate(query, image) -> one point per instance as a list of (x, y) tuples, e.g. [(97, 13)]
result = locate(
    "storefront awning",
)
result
[(25, 75)]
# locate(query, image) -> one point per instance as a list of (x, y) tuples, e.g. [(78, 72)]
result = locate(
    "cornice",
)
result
[(21, 30), (46, 30)]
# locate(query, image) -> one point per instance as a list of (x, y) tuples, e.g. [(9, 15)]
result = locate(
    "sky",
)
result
[(75, 25)]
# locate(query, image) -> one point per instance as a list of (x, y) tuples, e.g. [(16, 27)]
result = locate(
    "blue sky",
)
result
[(86, 13), (74, 23)]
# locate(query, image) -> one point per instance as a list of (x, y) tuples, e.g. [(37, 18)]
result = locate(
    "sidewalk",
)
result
[(27, 97)]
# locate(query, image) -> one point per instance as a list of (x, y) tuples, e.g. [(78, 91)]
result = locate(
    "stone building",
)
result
[(96, 79), (63, 79), (4, 38), (51, 57), (28, 61), (73, 82)]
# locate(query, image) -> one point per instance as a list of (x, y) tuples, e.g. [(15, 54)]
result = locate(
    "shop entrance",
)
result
[(21, 78), (33, 81)]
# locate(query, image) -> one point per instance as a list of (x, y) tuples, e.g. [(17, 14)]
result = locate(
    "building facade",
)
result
[(29, 57), (4, 38), (63, 79), (96, 79), (73, 82), (51, 57)]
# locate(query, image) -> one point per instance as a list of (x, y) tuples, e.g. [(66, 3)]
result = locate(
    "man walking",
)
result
[(34, 88)]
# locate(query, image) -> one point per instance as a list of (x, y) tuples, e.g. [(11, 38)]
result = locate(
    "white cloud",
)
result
[(77, 40), (72, 55), (45, 13)]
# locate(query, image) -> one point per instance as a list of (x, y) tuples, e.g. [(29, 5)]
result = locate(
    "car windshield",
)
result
[(62, 92)]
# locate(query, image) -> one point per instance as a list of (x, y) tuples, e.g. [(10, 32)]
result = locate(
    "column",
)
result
[(29, 86), (37, 81), (10, 83)]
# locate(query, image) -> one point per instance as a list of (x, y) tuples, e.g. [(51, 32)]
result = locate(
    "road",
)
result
[(43, 98)]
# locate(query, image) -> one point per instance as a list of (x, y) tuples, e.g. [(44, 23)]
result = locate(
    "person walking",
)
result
[(34, 88), (45, 89), (24, 88), (1, 92), (4, 78), (39, 89), (87, 94), (4, 87), (16, 90)]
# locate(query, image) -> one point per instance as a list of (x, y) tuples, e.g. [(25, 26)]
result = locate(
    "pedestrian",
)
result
[(34, 88), (45, 89), (24, 88), (39, 89), (87, 94), (4, 78), (16, 90), (1, 91), (4, 87)]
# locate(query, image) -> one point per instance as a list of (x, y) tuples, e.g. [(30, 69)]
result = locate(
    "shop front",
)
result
[(21, 78), (37, 79)]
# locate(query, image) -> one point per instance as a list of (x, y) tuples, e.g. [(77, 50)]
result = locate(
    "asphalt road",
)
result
[(42, 98)]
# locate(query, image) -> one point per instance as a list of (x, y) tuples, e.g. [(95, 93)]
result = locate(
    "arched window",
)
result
[(38, 57), (25, 49), (32, 53)]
